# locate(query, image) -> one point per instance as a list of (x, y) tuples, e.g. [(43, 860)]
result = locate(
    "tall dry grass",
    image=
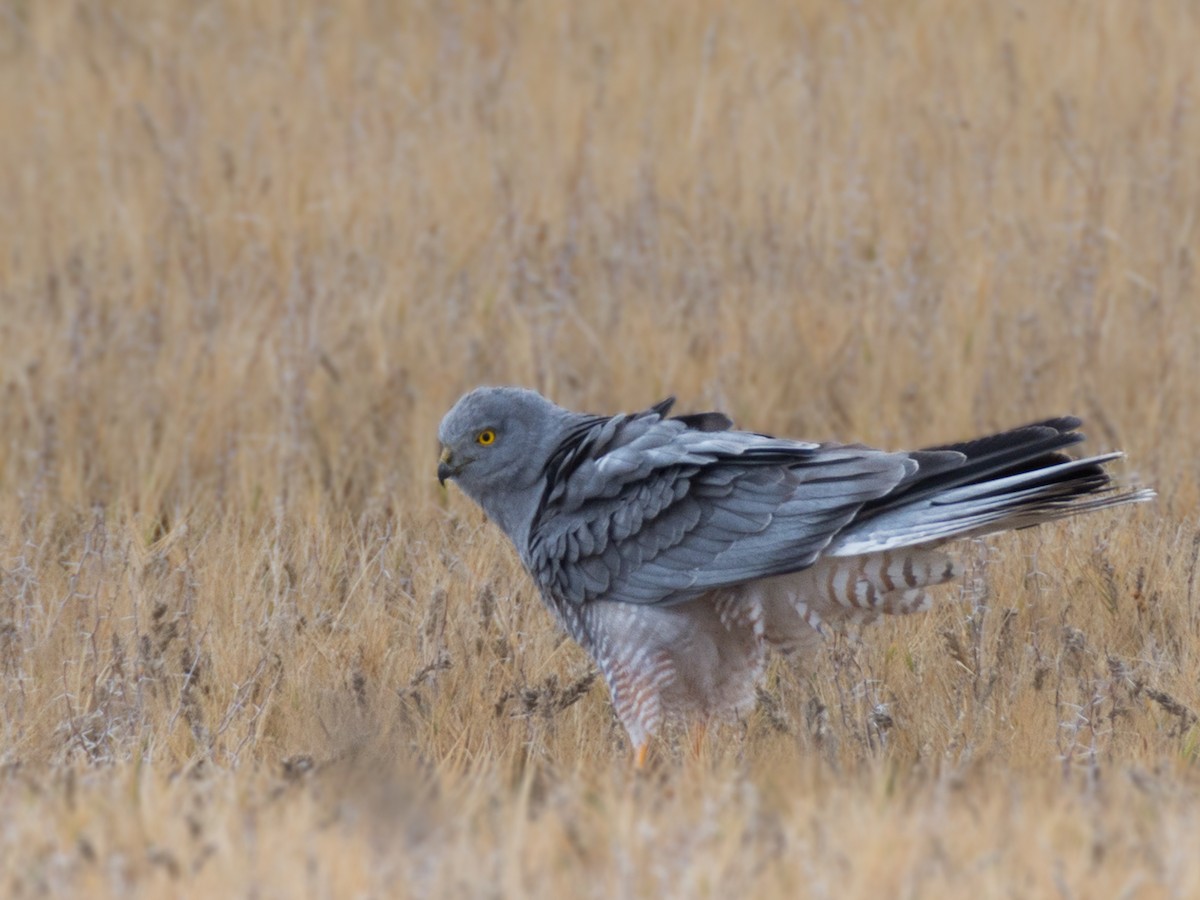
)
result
[(253, 250)]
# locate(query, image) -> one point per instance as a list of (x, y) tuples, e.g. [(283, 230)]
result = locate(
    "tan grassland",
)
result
[(252, 250)]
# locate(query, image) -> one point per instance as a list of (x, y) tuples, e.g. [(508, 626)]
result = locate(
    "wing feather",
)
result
[(651, 510), (648, 509)]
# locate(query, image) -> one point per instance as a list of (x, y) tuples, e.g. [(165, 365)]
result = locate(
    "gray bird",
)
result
[(676, 550)]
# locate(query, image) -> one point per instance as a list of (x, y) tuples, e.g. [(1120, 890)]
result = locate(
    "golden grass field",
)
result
[(252, 251)]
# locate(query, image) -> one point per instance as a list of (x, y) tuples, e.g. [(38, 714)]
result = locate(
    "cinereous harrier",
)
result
[(676, 550)]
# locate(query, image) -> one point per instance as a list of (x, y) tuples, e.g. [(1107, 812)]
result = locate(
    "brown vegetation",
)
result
[(253, 250)]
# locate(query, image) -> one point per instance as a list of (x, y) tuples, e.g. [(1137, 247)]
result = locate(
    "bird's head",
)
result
[(495, 444)]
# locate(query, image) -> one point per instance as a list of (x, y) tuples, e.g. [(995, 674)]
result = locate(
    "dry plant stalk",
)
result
[(252, 251)]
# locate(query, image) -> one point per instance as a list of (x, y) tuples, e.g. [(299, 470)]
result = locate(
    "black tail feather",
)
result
[(1014, 452)]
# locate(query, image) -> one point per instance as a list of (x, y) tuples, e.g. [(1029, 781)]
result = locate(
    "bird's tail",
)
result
[(1010, 480)]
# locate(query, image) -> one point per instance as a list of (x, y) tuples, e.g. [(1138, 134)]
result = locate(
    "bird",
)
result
[(679, 551)]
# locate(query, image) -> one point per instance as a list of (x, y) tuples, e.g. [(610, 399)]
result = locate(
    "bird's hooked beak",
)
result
[(444, 469)]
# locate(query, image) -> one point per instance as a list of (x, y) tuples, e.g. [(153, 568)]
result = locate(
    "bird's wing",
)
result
[(644, 509)]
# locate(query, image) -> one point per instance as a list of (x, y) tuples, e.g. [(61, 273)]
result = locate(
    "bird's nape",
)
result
[(677, 550)]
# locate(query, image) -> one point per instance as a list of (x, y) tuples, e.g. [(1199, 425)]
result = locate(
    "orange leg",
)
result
[(639, 756), (699, 733)]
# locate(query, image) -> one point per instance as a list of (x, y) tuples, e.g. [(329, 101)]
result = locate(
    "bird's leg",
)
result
[(699, 733), (640, 754)]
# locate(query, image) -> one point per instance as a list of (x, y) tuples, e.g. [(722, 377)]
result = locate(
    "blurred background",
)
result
[(252, 251)]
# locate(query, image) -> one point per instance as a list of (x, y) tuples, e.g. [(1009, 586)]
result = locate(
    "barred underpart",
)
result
[(677, 551)]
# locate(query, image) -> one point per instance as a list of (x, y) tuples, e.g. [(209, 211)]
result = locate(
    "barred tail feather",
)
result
[(836, 593)]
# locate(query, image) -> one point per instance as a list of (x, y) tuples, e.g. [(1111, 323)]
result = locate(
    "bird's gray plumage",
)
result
[(669, 546)]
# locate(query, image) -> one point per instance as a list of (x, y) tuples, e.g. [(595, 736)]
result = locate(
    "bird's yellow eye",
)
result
[(487, 436)]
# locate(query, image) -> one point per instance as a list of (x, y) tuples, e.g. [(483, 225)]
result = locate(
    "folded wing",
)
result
[(646, 509)]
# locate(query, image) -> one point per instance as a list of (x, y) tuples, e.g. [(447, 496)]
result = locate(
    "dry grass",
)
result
[(253, 251)]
